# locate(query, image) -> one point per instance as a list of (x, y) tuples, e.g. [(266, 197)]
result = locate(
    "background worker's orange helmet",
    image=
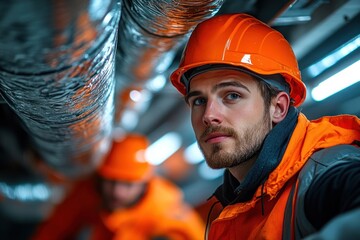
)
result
[(126, 160), (243, 41)]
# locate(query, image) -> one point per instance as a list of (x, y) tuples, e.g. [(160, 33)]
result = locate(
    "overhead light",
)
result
[(157, 83), (337, 82), (141, 99), (129, 119), (287, 20), (330, 60), (163, 148), (25, 192), (135, 95), (208, 173), (193, 155)]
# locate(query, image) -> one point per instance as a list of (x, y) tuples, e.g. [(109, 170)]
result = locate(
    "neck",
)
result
[(240, 171)]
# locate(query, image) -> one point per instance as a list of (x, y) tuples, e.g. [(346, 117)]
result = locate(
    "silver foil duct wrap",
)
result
[(57, 74), (151, 32)]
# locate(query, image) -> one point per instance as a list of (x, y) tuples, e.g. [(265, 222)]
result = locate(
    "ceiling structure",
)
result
[(34, 150)]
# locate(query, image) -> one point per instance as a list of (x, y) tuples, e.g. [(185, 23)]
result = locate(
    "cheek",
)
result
[(132, 193), (242, 119), (252, 111), (196, 122), (121, 193), (195, 118)]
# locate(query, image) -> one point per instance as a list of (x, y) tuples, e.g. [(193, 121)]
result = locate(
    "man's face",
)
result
[(117, 195), (228, 116)]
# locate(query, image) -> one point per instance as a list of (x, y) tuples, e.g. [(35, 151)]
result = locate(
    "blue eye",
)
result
[(199, 101), (232, 96)]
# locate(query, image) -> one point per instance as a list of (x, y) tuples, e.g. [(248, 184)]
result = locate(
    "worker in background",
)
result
[(123, 200), (286, 177)]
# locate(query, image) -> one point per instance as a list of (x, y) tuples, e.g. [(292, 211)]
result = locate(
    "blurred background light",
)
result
[(163, 148), (193, 154), (208, 173), (337, 82), (330, 60)]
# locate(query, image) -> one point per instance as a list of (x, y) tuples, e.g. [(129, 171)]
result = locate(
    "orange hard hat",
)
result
[(126, 160), (242, 41)]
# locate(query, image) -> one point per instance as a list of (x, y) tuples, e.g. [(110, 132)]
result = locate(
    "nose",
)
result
[(212, 114)]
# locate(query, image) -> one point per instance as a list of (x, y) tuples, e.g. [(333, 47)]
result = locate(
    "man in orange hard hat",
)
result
[(286, 177), (123, 200)]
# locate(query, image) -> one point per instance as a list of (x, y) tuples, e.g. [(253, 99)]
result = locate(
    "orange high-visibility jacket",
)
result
[(160, 213), (245, 220)]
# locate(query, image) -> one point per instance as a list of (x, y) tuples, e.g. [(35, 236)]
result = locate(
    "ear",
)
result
[(280, 105)]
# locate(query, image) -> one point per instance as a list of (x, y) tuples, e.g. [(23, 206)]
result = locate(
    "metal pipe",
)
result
[(57, 74), (151, 33)]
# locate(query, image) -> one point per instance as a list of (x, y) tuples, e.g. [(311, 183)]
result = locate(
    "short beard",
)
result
[(247, 146)]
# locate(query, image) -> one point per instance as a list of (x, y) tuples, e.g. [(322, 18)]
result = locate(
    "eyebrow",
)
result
[(216, 87), (191, 94), (230, 83)]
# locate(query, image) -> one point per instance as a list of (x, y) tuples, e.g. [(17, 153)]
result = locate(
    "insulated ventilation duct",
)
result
[(150, 34), (57, 74)]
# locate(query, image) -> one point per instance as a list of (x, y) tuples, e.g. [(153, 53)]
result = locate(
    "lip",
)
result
[(215, 137)]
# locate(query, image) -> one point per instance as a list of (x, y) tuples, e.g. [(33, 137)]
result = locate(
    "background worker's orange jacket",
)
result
[(161, 213)]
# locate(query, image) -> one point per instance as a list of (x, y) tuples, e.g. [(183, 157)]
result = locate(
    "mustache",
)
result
[(218, 129)]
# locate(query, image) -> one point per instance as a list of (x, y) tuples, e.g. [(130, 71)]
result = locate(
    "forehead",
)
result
[(212, 77)]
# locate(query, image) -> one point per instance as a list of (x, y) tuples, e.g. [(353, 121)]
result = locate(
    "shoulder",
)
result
[(331, 172), (332, 167), (320, 162), (326, 164), (333, 155), (164, 189), (161, 196), (329, 183), (169, 212)]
